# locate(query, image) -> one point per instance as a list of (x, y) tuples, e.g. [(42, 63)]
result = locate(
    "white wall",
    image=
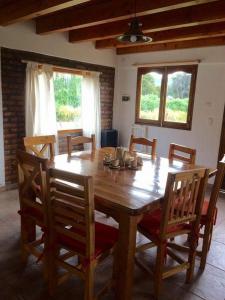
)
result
[(22, 37), (208, 107)]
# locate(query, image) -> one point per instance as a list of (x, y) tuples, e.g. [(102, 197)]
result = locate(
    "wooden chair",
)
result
[(208, 217), (33, 205), (189, 155), (143, 141), (180, 214), (62, 138), (73, 229), (79, 140), (40, 145)]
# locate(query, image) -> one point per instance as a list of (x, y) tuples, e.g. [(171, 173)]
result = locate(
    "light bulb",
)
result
[(133, 38)]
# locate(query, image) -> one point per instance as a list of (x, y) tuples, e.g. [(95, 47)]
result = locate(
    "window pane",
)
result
[(67, 89), (177, 97), (150, 96)]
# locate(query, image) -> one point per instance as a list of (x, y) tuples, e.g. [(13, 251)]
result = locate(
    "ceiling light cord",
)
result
[(135, 8)]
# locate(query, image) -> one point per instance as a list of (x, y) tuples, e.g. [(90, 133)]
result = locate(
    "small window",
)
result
[(165, 96), (67, 89)]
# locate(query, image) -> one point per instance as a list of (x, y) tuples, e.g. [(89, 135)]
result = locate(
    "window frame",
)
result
[(165, 70)]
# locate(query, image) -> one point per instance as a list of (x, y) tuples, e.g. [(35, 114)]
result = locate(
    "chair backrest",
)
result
[(183, 199), (62, 138), (71, 209), (143, 141), (216, 188), (41, 146), (78, 140), (32, 183), (184, 154)]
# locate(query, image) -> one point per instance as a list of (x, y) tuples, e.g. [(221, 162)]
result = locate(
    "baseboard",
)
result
[(8, 187), (2, 188)]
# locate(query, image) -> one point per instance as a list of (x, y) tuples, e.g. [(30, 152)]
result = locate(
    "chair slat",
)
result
[(180, 199), (173, 199), (73, 270), (66, 212), (143, 141), (182, 196), (67, 176), (75, 236), (65, 221), (33, 143), (69, 199), (80, 140), (189, 152), (74, 190)]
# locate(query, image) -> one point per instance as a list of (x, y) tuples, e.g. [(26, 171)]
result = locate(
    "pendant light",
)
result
[(134, 35)]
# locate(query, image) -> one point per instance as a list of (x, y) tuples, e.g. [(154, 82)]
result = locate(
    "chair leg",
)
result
[(206, 245), (31, 230), (210, 238), (191, 258), (23, 241), (52, 271), (46, 260), (28, 234), (159, 270), (89, 283), (115, 270), (24, 254)]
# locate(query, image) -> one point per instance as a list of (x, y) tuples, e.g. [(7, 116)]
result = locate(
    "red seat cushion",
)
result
[(204, 219), (105, 238), (151, 225)]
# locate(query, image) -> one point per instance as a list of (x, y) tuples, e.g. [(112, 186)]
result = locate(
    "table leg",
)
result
[(124, 264)]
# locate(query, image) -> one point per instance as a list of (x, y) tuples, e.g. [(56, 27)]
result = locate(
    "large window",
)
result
[(165, 96), (67, 89)]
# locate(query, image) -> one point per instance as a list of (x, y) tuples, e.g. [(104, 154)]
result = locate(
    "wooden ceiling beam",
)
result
[(22, 10), (182, 17), (201, 31), (104, 12), (196, 43)]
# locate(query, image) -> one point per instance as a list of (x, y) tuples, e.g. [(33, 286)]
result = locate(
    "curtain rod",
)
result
[(63, 69), (164, 64)]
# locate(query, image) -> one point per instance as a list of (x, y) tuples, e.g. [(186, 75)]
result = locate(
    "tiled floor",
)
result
[(19, 283)]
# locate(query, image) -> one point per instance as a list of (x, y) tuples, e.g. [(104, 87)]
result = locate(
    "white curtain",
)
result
[(40, 101), (91, 113)]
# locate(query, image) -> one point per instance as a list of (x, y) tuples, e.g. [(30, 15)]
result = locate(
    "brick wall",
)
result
[(13, 96)]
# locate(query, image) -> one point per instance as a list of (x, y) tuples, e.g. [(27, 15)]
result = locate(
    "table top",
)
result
[(134, 191)]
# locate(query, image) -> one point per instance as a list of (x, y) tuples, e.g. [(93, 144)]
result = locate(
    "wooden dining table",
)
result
[(126, 195)]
